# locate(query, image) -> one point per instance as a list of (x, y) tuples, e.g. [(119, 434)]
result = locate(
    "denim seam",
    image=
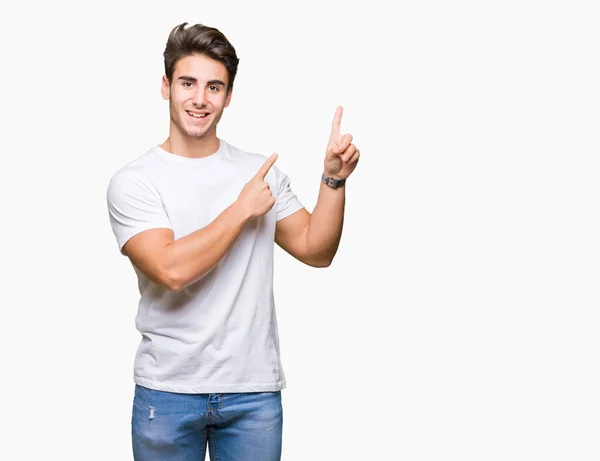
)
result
[(214, 446), (203, 453)]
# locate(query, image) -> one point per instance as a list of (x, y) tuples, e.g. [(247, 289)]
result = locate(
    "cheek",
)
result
[(218, 100), (177, 102), (178, 97)]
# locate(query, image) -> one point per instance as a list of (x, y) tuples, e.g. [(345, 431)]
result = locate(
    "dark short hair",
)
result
[(200, 39)]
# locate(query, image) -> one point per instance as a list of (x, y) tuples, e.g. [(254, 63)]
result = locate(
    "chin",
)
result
[(194, 132), (197, 135)]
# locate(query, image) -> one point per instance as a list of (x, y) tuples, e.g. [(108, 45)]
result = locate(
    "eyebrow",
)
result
[(187, 78)]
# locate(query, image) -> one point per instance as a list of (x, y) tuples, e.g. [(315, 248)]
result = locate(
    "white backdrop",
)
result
[(459, 319)]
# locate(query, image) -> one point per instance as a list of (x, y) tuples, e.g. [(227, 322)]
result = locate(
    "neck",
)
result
[(188, 146)]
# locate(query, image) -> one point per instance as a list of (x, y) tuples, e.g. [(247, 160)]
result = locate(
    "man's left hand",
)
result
[(342, 156)]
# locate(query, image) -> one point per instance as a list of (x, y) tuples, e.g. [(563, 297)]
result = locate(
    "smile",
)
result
[(197, 114)]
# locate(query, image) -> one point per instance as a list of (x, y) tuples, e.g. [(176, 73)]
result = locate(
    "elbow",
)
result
[(326, 263), (173, 286), (320, 260), (170, 284), (320, 263), (175, 281), (162, 273), (170, 280)]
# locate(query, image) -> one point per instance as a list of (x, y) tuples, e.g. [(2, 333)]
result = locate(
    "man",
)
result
[(197, 217)]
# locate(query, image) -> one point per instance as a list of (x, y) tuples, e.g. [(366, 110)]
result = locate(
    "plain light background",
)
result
[(459, 319)]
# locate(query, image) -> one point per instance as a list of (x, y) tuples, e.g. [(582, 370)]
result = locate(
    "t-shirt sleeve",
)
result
[(134, 206), (287, 202)]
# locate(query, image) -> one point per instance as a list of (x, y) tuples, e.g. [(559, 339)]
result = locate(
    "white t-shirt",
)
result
[(220, 333)]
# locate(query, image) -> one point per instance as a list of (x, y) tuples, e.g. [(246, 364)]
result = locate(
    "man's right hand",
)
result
[(256, 198)]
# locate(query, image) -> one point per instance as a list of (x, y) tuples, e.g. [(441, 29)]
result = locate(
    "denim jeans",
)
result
[(168, 426)]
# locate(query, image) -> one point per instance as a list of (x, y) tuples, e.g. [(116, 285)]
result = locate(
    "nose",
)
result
[(200, 98)]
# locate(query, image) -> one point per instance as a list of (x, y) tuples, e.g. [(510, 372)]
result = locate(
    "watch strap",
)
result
[(332, 182)]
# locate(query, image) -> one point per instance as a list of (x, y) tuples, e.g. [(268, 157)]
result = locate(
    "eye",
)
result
[(214, 88), (187, 84)]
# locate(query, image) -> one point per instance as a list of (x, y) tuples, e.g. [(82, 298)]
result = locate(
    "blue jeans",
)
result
[(168, 426)]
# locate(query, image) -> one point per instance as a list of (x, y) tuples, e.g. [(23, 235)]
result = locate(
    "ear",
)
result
[(165, 88), (228, 97)]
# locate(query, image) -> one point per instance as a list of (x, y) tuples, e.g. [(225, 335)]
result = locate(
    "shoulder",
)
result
[(134, 175)]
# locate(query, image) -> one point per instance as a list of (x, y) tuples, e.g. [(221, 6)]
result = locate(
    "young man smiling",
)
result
[(198, 218)]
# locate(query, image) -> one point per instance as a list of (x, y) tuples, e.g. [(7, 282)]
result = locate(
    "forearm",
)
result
[(324, 229), (189, 258), (317, 242)]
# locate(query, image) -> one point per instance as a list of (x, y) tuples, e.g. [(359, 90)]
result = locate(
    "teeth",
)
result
[(197, 115)]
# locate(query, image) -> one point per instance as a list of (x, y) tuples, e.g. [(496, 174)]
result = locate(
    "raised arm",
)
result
[(314, 238)]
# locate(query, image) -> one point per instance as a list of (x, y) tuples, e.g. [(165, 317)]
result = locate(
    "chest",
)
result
[(193, 199)]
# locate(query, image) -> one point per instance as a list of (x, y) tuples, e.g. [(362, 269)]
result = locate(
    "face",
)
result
[(197, 96)]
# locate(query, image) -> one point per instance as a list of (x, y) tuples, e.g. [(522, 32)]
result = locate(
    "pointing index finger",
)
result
[(266, 166), (337, 122)]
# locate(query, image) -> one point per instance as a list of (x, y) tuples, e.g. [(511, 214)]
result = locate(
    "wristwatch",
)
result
[(332, 182)]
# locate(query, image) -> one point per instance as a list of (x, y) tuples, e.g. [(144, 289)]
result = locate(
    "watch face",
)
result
[(332, 182)]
